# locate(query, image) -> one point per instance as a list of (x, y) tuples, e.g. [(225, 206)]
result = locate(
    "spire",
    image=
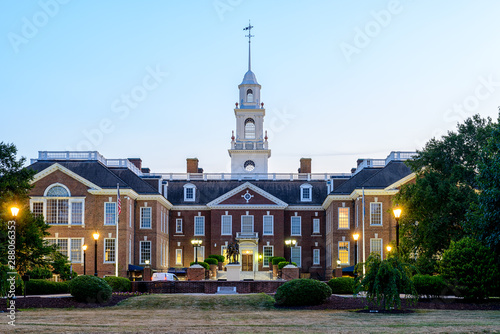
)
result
[(249, 28)]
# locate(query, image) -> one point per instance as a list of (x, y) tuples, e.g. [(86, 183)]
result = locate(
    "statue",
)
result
[(232, 252)]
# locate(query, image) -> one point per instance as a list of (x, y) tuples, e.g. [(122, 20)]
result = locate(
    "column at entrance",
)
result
[(248, 256)]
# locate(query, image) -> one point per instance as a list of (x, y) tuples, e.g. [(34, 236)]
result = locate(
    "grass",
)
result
[(241, 314)]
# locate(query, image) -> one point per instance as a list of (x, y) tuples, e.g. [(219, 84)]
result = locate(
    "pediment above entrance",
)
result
[(246, 196)]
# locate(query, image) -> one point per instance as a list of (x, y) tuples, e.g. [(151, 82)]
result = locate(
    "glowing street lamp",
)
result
[(356, 237), (96, 237), (389, 248), (14, 210), (290, 243), (196, 243), (84, 247), (397, 214)]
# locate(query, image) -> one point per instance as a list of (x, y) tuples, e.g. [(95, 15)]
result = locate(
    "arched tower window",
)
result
[(249, 128), (249, 95)]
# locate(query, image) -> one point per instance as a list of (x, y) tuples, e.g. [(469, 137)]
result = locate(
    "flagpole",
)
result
[(118, 207), (364, 231)]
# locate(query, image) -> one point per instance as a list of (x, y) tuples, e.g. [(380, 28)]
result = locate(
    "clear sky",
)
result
[(158, 79)]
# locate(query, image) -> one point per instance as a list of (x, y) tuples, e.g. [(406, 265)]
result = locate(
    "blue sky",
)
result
[(340, 80)]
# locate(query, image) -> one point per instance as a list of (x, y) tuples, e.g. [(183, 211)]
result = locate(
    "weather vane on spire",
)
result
[(249, 28)]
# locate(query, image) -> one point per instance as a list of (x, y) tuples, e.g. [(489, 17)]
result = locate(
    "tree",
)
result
[(30, 248), (470, 267), (485, 218), (385, 280), (436, 206)]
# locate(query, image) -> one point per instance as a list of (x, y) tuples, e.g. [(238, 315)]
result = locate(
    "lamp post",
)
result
[(196, 243), (15, 211), (290, 243), (389, 248), (96, 237), (356, 237), (84, 247), (397, 214), (338, 263)]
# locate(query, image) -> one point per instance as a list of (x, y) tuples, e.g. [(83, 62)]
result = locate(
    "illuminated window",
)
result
[(344, 252), (343, 218)]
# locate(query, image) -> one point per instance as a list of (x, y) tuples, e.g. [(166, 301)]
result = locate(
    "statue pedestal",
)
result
[(233, 271)]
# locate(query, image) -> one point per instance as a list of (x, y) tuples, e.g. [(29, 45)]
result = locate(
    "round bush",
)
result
[(219, 258), (211, 260), (342, 285), (471, 268), (302, 291), (203, 264), (277, 260), (119, 284), (90, 289)]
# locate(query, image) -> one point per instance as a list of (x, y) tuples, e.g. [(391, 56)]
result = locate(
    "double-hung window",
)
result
[(344, 252), (267, 252), (199, 225), (178, 225), (376, 246), (316, 259), (247, 224), (109, 250), (268, 225), (343, 218), (296, 225), (316, 229), (296, 255), (375, 213), (306, 193), (110, 213), (226, 225), (146, 214), (145, 252)]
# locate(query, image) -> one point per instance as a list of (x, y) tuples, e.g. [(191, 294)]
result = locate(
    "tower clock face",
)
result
[(249, 165)]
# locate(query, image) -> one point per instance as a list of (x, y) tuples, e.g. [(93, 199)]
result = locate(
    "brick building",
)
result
[(161, 213)]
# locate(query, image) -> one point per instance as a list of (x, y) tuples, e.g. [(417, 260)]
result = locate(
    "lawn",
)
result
[(241, 314)]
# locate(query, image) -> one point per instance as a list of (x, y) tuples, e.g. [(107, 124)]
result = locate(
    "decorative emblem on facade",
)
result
[(247, 196)]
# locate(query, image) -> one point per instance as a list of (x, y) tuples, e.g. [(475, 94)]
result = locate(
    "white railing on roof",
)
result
[(248, 176), (86, 155), (399, 156)]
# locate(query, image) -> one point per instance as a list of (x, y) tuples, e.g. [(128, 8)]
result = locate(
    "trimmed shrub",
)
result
[(283, 264), (278, 259), (219, 258), (342, 285), (203, 264), (119, 284), (211, 260), (270, 260), (39, 273), (302, 291), (44, 287), (90, 289), (471, 268), (428, 286)]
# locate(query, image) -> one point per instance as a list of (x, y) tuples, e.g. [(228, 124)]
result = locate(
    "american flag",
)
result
[(118, 199)]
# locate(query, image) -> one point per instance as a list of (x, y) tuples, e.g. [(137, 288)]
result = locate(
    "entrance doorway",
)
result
[(247, 261)]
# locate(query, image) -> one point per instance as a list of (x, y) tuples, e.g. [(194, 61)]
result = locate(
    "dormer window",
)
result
[(249, 128), (306, 193), (189, 192), (249, 95)]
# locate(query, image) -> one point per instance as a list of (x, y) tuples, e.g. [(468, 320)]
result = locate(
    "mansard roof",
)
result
[(208, 191), (100, 175), (374, 178)]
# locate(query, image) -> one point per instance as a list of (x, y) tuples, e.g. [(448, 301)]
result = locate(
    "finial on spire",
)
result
[(249, 28)]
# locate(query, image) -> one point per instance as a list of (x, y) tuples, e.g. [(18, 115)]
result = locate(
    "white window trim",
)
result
[(204, 227), (104, 250), (129, 251), (56, 185), (348, 218), (190, 186), (230, 225), (71, 200), (306, 186), (253, 223), (176, 229), (319, 226), (116, 212), (68, 255), (200, 251), (319, 256), (299, 263), (300, 226), (177, 251), (348, 252), (381, 247), (272, 253), (141, 261), (150, 218), (381, 214), (272, 225)]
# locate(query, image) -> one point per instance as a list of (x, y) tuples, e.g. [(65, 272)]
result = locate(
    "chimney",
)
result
[(192, 165), (353, 170), (146, 170), (136, 161), (305, 165)]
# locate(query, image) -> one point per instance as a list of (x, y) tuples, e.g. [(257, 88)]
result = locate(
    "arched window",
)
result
[(305, 192), (189, 192), (249, 95), (57, 191), (249, 128)]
